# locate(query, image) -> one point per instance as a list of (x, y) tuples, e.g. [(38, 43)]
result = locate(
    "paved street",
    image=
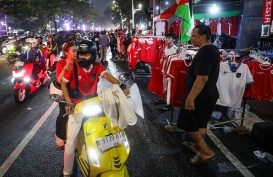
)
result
[(27, 140)]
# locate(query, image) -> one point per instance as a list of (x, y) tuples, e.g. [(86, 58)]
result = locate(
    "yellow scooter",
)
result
[(101, 150)]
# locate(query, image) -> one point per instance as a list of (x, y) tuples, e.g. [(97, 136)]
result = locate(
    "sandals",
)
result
[(189, 146), (196, 160)]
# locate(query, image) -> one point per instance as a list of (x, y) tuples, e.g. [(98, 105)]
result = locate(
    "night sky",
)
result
[(101, 6)]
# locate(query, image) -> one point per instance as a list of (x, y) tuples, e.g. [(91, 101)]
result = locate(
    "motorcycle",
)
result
[(101, 150), (27, 79)]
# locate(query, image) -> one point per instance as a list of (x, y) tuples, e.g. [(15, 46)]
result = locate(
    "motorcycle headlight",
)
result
[(93, 155), (10, 47), (92, 110), (26, 79), (18, 74)]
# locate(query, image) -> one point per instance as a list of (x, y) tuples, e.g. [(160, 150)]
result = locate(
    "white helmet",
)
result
[(33, 41), (55, 91)]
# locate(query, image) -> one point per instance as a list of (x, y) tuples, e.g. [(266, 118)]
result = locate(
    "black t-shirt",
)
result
[(205, 63)]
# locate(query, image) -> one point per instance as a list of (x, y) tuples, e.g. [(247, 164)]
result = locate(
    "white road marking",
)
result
[(14, 155), (243, 170)]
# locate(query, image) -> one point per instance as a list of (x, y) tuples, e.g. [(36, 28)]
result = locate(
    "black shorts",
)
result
[(191, 121)]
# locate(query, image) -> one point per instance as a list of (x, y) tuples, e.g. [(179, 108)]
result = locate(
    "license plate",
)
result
[(111, 141)]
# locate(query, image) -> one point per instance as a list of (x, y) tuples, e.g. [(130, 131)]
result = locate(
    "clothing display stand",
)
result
[(243, 113)]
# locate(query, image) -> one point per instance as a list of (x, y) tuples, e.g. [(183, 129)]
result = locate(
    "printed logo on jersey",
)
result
[(79, 78), (93, 76), (238, 75)]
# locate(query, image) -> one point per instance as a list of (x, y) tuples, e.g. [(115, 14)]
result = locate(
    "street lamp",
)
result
[(133, 13)]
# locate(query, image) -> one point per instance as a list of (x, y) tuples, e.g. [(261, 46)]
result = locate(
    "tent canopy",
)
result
[(171, 12), (167, 13)]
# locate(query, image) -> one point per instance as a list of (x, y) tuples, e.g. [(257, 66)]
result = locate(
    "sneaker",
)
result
[(159, 100), (167, 107)]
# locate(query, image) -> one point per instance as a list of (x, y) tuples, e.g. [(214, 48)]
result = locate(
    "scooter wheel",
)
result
[(20, 95)]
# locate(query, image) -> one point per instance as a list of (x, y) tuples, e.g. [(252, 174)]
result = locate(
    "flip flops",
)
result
[(196, 160), (189, 146)]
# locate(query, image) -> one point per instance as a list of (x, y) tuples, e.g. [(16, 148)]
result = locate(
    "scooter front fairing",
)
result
[(101, 148)]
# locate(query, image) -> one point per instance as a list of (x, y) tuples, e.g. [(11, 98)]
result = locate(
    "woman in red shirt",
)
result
[(69, 52)]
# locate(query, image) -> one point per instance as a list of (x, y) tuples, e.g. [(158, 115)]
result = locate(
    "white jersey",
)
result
[(231, 85), (160, 28)]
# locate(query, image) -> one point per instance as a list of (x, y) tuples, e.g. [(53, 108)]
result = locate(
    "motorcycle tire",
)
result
[(4, 50), (13, 59), (20, 95)]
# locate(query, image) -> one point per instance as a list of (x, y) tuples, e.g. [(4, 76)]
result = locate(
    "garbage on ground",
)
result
[(241, 130), (228, 129), (216, 114), (264, 155)]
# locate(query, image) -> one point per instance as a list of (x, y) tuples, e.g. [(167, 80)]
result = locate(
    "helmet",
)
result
[(86, 46), (33, 41), (78, 34), (39, 36), (55, 91)]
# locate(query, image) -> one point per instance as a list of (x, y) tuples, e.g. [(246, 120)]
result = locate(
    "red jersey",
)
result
[(87, 79), (156, 80), (151, 50), (262, 89), (59, 67), (224, 27), (176, 28), (178, 73)]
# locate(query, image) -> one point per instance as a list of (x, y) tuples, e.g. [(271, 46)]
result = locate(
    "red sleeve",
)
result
[(59, 68), (67, 75), (100, 69)]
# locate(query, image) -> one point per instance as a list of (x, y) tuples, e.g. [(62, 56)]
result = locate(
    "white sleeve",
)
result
[(249, 78)]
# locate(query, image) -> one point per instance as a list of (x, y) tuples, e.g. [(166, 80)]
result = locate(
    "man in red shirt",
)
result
[(88, 73)]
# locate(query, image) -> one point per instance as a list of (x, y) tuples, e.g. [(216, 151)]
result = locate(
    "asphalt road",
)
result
[(27, 142)]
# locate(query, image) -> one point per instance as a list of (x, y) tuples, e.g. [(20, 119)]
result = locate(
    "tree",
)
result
[(123, 9), (81, 12), (33, 15)]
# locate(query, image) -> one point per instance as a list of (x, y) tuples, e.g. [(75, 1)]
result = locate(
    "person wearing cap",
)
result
[(78, 38), (89, 72)]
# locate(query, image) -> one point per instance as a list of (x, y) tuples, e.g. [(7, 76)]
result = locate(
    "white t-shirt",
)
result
[(231, 85), (171, 51), (160, 28)]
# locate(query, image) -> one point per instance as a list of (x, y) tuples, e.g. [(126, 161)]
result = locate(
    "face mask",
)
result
[(85, 63)]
